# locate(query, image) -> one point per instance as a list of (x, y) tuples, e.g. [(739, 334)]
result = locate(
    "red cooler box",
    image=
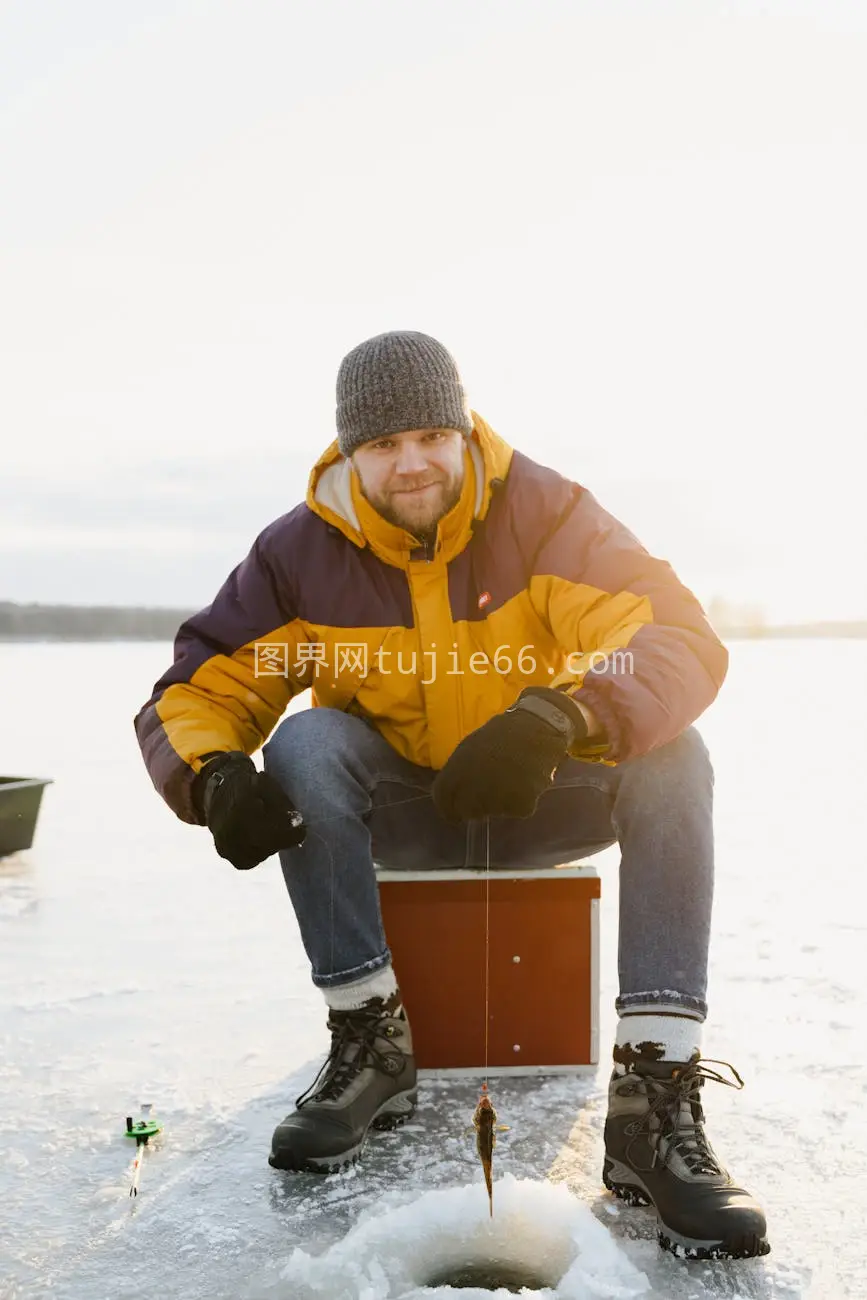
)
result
[(543, 995)]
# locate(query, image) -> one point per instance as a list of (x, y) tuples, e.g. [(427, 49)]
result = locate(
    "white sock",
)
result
[(658, 1035), (349, 997)]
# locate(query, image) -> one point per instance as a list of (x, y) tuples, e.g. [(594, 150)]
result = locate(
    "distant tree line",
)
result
[(737, 622), (138, 623), (88, 622)]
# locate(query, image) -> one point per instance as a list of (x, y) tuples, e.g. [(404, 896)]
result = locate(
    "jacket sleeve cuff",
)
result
[(613, 740)]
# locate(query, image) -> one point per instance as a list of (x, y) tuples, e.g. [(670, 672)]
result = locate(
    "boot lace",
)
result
[(353, 1046), (671, 1100)]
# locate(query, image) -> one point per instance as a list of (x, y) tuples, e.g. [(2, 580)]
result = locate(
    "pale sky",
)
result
[(640, 227)]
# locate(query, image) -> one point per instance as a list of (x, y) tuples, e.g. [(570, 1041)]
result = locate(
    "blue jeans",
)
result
[(364, 803)]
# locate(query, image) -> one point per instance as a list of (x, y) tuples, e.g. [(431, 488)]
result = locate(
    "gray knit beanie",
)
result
[(398, 381)]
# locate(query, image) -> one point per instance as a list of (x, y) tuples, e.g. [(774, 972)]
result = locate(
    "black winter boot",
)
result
[(368, 1080), (657, 1153)]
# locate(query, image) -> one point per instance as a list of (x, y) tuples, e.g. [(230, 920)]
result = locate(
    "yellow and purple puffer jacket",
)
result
[(531, 582)]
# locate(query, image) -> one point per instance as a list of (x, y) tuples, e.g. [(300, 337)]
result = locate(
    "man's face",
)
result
[(414, 478)]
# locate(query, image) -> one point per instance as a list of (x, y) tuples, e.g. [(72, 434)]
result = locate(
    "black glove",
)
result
[(246, 811), (503, 767)]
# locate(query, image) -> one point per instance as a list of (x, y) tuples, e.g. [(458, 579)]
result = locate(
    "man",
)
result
[(489, 652)]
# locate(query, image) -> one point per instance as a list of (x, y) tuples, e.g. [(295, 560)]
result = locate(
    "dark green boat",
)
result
[(20, 797)]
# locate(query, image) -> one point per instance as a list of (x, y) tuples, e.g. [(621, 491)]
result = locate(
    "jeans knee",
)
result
[(689, 751), (684, 762), (309, 747), (315, 727)]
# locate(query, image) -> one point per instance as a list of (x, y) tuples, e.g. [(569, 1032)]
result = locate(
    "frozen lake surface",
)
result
[(137, 966)]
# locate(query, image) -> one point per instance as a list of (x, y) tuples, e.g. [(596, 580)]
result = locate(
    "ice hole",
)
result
[(493, 1277), (445, 1243)]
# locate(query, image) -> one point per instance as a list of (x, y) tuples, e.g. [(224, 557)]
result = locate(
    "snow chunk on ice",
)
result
[(538, 1228)]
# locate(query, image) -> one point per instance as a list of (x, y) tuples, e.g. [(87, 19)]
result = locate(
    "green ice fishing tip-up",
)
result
[(141, 1130)]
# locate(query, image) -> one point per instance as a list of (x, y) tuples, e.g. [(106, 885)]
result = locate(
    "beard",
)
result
[(418, 512)]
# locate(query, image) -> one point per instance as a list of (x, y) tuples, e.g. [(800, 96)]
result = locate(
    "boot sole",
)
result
[(743, 1246), (392, 1113)]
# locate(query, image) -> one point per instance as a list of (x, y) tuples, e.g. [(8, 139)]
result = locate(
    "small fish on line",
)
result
[(485, 1124)]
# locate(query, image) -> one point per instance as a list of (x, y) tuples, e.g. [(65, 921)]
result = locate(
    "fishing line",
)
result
[(395, 803), (331, 876), (487, 937)]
